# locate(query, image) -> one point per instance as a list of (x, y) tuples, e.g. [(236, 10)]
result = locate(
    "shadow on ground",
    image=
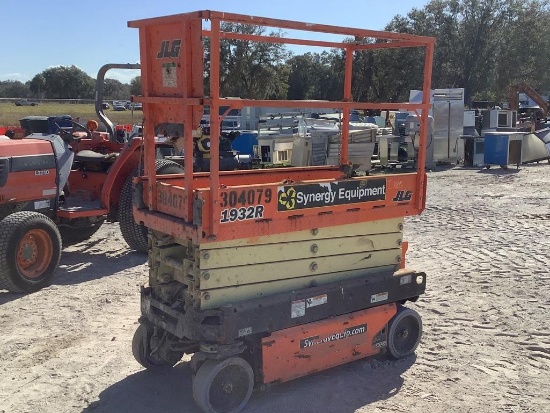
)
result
[(88, 261), (497, 170), (342, 389)]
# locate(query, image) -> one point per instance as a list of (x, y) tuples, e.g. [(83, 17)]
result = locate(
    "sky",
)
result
[(40, 34)]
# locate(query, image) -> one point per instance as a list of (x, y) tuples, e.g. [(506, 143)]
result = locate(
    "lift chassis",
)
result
[(271, 274)]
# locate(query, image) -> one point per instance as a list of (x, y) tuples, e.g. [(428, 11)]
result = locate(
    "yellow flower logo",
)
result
[(288, 198)]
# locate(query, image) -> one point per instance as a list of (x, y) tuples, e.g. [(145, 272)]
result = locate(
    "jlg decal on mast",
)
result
[(169, 49)]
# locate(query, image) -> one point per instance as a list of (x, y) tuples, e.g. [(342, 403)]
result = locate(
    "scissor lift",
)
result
[(270, 274)]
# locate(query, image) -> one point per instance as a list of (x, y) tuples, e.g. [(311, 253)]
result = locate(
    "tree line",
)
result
[(67, 82), (483, 46)]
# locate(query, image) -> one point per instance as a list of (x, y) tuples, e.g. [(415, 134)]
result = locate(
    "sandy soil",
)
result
[(483, 241)]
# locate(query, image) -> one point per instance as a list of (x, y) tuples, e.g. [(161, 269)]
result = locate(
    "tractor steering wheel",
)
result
[(69, 136)]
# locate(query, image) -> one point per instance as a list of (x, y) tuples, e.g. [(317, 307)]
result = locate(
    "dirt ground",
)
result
[(483, 240)]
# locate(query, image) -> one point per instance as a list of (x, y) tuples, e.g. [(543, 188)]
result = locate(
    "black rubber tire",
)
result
[(71, 235), (142, 351), (404, 333), (223, 385), (133, 233), (13, 229)]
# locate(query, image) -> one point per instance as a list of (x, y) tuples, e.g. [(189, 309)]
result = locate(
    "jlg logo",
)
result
[(169, 49), (403, 196)]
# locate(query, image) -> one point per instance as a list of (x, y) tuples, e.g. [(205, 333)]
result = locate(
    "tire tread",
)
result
[(135, 234), (9, 227)]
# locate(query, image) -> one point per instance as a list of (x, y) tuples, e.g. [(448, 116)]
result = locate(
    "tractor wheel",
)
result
[(133, 233), (405, 332), (141, 349), (223, 385), (71, 235), (30, 248)]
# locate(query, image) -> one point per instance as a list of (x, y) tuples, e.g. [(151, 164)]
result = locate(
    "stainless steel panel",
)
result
[(448, 113)]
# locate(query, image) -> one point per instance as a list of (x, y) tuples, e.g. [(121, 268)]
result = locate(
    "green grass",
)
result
[(10, 114)]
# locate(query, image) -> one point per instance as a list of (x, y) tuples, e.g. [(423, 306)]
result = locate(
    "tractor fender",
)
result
[(126, 162)]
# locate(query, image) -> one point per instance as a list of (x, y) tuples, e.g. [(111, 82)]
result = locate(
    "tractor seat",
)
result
[(91, 156)]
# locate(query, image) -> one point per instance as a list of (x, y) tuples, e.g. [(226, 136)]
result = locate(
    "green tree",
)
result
[(316, 76), (483, 46), (135, 86), (65, 82), (301, 84), (524, 53), (37, 85), (254, 70), (14, 89), (114, 89)]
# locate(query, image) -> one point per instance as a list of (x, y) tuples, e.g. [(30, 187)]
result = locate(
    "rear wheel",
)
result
[(141, 349), (30, 249), (223, 386), (405, 332), (133, 233)]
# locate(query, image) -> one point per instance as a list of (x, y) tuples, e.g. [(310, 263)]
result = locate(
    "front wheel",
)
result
[(405, 332), (30, 249), (223, 385)]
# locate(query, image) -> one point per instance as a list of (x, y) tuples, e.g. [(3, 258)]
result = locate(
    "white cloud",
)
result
[(124, 76), (14, 76)]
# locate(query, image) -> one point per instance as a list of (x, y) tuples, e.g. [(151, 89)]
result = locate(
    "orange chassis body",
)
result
[(102, 187), (172, 198), (26, 185), (217, 207)]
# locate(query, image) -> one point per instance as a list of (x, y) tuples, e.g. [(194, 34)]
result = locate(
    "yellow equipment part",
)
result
[(247, 268)]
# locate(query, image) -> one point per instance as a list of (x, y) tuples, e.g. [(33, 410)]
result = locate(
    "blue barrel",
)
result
[(244, 143)]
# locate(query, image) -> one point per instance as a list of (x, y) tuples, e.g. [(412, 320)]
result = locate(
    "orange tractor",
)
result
[(529, 118), (58, 185), (270, 274)]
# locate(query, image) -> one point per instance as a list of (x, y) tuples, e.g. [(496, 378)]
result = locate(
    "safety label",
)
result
[(298, 309), (169, 75), (376, 298), (315, 301)]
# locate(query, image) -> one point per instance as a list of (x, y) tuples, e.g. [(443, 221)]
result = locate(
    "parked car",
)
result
[(119, 108), (105, 105), (25, 102), (134, 106)]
